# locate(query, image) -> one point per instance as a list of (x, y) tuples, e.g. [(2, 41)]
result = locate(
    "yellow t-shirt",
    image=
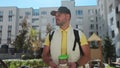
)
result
[(83, 40)]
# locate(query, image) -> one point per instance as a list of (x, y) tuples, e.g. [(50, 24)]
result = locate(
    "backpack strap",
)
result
[(77, 40), (51, 35)]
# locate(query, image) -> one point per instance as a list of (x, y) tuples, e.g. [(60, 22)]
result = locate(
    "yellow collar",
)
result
[(65, 29)]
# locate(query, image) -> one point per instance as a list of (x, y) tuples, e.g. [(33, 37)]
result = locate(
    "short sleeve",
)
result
[(83, 39), (47, 42)]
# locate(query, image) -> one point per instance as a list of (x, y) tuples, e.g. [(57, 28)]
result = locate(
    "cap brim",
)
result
[(53, 13)]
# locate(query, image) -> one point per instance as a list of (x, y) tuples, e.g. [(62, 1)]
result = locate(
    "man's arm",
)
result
[(86, 57), (47, 58), (46, 55)]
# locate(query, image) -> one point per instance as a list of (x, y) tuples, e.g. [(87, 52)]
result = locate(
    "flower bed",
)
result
[(32, 63)]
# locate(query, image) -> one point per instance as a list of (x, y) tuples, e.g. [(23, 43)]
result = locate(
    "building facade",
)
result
[(109, 10), (8, 24), (114, 23), (83, 18)]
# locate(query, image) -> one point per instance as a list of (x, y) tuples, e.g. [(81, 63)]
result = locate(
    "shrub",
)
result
[(33, 63)]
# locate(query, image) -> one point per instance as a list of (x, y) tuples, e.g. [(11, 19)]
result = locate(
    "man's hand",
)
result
[(52, 64), (72, 65)]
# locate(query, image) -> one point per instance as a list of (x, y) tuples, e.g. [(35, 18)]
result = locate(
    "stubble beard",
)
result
[(58, 23)]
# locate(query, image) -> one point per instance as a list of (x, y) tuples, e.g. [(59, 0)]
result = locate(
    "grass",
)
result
[(109, 67)]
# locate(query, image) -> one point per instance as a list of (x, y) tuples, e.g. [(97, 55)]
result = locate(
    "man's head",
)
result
[(62, 15)]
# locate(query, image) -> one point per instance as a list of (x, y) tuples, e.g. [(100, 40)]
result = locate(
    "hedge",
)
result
[(32, 63)]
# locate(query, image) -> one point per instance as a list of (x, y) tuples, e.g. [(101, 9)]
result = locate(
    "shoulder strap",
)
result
[(51, 35), (77, 40)]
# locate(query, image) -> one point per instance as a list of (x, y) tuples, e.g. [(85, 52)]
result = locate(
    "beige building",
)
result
[(109, 11), (11, 19), (83, 18), (8, 22), (102, 18), (86, 19), (114, 23)]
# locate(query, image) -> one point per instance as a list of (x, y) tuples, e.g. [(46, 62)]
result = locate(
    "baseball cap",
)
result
[(61, 9)]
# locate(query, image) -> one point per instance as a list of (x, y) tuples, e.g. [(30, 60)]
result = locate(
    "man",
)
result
[(63, 41)]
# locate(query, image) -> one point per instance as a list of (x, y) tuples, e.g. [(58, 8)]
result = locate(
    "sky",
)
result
[(42, 3)]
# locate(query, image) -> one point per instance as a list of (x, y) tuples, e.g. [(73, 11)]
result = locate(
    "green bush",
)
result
[(33, 63), (25, 57)]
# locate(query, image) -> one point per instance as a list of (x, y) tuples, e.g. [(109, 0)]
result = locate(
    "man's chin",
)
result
[(59, 24)]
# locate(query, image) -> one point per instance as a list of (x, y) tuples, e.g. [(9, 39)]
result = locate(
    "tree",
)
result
[(49, 28), (108, 49), (20, 43)]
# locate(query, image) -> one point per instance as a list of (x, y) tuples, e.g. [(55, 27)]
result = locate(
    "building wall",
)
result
[(45, 19), (113, 19), (86, 19), (102, 18), (82, 18), (24, 12), (8, 24)]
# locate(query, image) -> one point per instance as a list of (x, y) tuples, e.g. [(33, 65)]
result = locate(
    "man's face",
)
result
[(60, 18)]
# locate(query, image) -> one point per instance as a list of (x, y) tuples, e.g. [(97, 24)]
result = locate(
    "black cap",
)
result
[(61, 9)]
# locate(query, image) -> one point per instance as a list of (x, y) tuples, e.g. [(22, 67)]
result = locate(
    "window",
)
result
[(0, 31), (1, 13), (101, 6), (79, 12), (97, 33), (9, 28), (90, 33), (77, 26), (35, 27), (94, 44), (113, 34), (35, 12), (79, 20), (96, 26), (111, 21), (1, 18), (43, 13), (9, 34), (34, 20), (96, 11), (27, 13), (91, 11), (53, 20), (117, 9), (91, 19), (0, 34), (118, 24), (92, 26), (110, 8), (96, 19), (10, 18), (9, 31), (8, 40), (10, 12), (0, 28), (0, 40), (20, 17)]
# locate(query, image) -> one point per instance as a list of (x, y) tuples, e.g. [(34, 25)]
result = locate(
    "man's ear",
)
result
[(68, 16)]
